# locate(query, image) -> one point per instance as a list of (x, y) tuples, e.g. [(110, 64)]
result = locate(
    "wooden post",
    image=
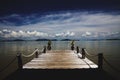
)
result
[(83, 53), (20, 65), (77, 49), (72, 47), (44, 50), (36, 54), (100, 60), (49, 45)]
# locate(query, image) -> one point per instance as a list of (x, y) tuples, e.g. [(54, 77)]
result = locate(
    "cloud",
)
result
[(72, 21), (101, 35), (65, 34), (77, 24), (11, 34), (8, 34), (86, 34), (5, 33)]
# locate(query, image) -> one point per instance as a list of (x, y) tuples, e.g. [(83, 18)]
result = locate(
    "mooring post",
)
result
[(44, 49), (36, 53), (72, 47), (77, 49), (83, 53), (100, 60), (49, 45), (20, 65)]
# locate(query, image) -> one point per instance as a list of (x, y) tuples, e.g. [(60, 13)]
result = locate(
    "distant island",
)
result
[(69, 40), (13, 40), (112, 39), (18, 40), (46, 40), (56, 39), (60, 40)]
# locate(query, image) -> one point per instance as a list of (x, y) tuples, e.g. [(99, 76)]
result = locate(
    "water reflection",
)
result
[(8, 50)]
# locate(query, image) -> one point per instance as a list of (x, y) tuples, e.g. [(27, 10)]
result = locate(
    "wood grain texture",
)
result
[(59, 59)]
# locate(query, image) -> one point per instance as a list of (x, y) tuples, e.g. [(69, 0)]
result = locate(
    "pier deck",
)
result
[(59, 59), (60, 65)]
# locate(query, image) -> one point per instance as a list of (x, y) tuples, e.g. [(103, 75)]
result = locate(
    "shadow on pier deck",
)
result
[(59, 74)]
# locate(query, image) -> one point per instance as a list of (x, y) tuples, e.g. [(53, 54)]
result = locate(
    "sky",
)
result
[(76, 19)]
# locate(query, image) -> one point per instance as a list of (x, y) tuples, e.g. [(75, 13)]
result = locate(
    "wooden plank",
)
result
[(59, 59)]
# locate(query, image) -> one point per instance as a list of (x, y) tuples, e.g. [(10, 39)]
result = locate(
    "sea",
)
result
[(109, 48)]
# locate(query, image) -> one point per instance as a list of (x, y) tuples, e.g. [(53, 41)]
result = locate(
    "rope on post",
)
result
[(77, 49), (36, 54), (100, 59), (20, 65), (92, 55), (19, 58), (83, 53), (30, 54), (72, 45)]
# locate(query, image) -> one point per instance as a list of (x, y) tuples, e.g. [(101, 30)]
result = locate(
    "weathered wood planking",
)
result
[(59, 59)]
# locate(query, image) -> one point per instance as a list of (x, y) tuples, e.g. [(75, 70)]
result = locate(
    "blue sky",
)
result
[(82, 19), (65, 24)]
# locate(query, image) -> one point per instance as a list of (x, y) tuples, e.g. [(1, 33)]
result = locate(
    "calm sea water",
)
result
[(110, 50)]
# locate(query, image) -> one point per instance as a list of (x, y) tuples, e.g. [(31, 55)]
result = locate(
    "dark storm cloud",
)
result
[(59, 18), (41, 6), (64, 21)]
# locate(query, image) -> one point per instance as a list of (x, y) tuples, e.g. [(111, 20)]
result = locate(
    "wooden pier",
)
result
[(60, 59), (59, 65)]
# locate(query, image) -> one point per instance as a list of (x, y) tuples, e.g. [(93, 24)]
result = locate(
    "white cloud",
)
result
[(72, 34), (11, 34), (86, 34), (73, 21), (5, 33), (101, 35), (59, 34), (65, 34), (89, 24), (6, 30), (22, 34)]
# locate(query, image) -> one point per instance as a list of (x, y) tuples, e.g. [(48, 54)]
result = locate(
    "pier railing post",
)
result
[(100, 60), (20, 65), (36, 54), (77, 49), (44, 49), (49, 45), (72, 47), (83, 53)]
